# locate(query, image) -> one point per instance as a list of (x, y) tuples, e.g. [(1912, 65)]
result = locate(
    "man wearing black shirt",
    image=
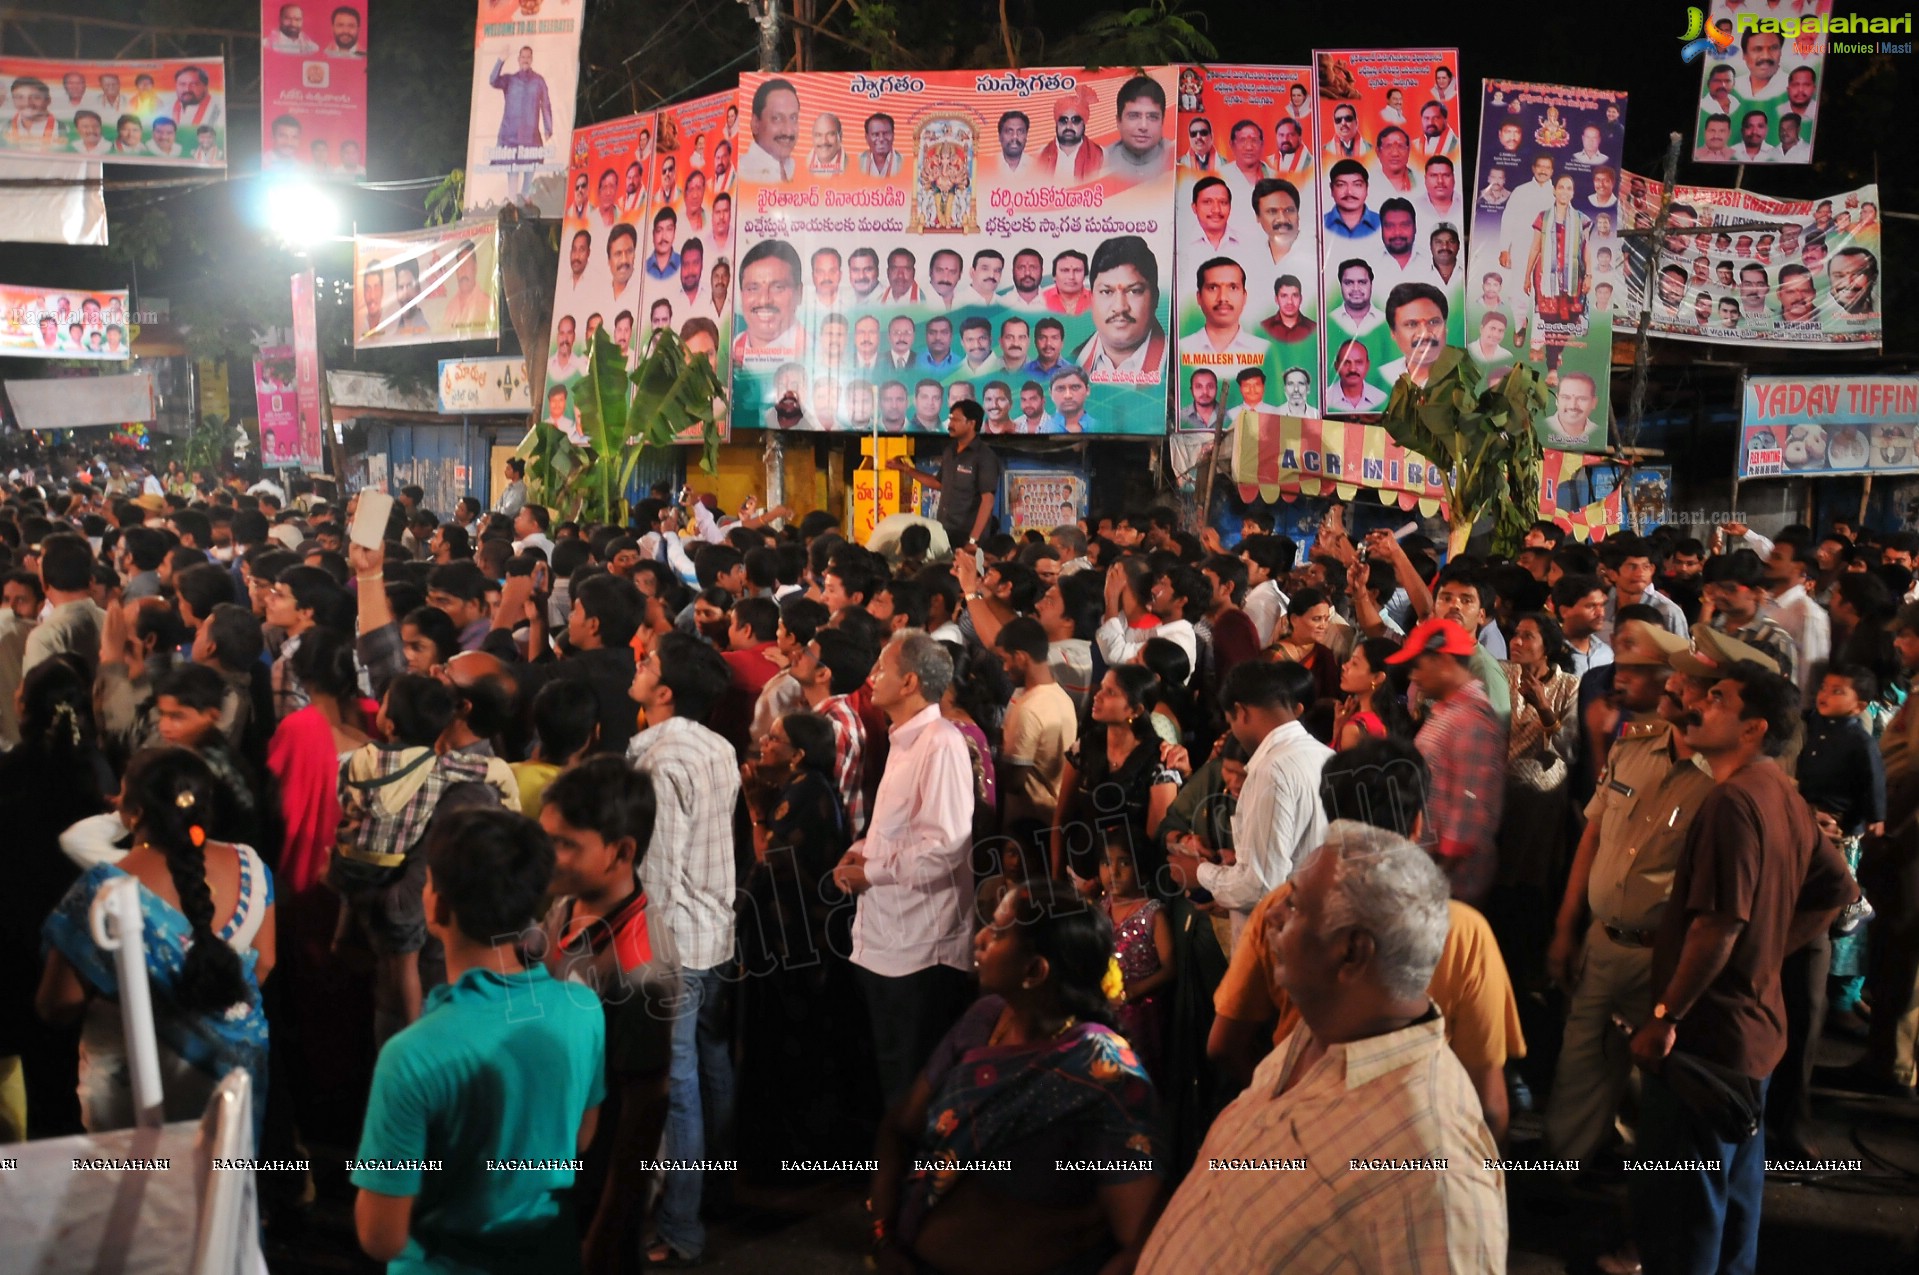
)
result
[(967, 478)]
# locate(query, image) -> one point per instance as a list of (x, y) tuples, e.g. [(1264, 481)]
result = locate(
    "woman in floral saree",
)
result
[(1558, 275), (1033, 1075)]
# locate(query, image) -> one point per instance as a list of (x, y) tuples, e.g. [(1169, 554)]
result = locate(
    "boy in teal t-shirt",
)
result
[(481, 1109)]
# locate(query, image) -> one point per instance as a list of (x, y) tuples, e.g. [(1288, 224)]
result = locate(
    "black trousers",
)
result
[(910, 1015), (1803, 980)]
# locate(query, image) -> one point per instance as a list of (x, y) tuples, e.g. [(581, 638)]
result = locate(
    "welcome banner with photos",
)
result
[(526, 71)]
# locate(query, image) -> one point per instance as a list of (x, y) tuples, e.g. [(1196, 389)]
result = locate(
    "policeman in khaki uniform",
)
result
[(1622, 875)]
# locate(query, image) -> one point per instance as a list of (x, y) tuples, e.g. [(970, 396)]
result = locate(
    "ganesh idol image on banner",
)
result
[(1394, 222), (526, 64), (1247, 256), (907, 241), (1546, 270)]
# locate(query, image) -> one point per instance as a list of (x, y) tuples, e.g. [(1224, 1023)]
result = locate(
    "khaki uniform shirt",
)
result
[(1644, 803)]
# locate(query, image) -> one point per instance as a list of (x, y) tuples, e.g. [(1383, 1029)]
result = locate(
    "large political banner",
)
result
[(278, 404), (906, 241), (1246, 292), (1786, 272), (427, 286), (306, 372), (1545, 265), (313, 88), (687, 274), (1387, 136), (63, 323), (526, 70), (165, 111), (1759, 81), (1813, 426)]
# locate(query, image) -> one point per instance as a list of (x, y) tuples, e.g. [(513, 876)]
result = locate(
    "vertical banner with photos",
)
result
[(1759, 83), (63, 323), (1246, 277), (169, 111), (526, 71), (1390, 158), (313, 88), (1790, 272), (910, 240), (427, 286), (306, 373), (687, 242), (1546, 266), (278, 404)]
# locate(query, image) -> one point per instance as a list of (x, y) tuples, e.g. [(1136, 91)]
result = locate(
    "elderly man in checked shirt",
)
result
[(1359, 1145), (688, 875), (1464, 744)]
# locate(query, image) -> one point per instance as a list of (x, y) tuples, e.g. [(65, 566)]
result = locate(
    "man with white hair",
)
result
[(1396, 1164)]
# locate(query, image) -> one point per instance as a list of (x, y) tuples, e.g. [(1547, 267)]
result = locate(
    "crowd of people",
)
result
[(1106, 897)]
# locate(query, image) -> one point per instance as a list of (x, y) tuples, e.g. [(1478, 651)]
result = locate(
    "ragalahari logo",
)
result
[(1716, 40)]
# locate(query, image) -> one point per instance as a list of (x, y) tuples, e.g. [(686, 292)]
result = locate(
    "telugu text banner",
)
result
[(313, 93)]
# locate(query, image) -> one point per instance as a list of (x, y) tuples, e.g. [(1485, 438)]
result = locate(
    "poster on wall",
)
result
[(306, 373), (313, 93), (1246, 282), (494, 385), (278, 406), (63, 323), (426, 287), (1789, 272), (1546, 268), (1387, 136), (906, 241), (1042, 499), (526, 70), (1759, 74), (1818, 425), (170, 111)]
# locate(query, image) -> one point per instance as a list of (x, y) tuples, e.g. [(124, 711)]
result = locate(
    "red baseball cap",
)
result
[(1434, 637)]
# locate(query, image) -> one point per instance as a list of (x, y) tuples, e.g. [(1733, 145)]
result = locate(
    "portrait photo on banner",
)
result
[(426, 287), (1546, 267), (64, 323), (1247, 210), (1760, 71), (1790, 272), (1387, 138), (171, 111), (908, 241), (526, 71), (313, 88)]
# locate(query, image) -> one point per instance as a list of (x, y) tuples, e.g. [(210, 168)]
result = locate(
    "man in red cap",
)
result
[(1072, 156), (1464, 744)]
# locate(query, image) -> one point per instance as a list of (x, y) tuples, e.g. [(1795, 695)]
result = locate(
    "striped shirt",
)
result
[(849, 748), (688, 869), (1356, 1118)]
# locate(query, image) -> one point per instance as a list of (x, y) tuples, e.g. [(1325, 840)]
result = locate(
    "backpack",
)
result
[(374, 854)]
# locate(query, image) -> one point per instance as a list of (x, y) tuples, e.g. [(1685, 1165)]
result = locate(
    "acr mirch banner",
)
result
[(313, 88), (64, 323), (1811, 426), (1759, 80), (526, 71), (1387, 131), (1546, 266), (1789, 272), (428, 286), (167, 111), (1247, 293), (905, 241)]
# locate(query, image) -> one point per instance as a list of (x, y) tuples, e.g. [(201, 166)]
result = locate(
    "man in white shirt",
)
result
[(1352, 393), (912, 932), (1753, 147), (1404, 260), (565, 365), (880, 159), (1279, 817), (776, 129), (1589, 152), (1761, 51), (1268, 558), (1041, 724), (530, 527), (1174, 596), (1523, 207), (1793, 608)]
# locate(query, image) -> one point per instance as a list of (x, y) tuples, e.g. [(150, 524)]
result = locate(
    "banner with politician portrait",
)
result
[(313, 87), (1246, 260), (906, 241), (1387, 141), (1759, 79), (427, 287), (63, 323), (276, 399), (526, 71), (1735, 268), (1545, 270), (169, 111)]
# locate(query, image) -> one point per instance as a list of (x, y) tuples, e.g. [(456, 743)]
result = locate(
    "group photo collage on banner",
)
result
[(425, 287), (170, 111), (1246, 257), (1791, 272), (1388, 143), (1761, 67), (313, 94), (64, 323), (686, 243), (907, 241), (1546, 259), (526, 71)]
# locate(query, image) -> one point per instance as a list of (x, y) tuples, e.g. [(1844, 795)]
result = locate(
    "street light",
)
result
[(302, 213)]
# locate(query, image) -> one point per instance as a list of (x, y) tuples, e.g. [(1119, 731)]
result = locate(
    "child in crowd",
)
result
[(1843, 778), (566, 726), (1143, 946)]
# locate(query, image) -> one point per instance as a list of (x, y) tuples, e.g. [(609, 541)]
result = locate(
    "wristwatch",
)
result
[(1661, 1014)]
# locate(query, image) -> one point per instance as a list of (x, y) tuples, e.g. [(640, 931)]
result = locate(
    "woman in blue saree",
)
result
[(1028, 1146), (207, 913)]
